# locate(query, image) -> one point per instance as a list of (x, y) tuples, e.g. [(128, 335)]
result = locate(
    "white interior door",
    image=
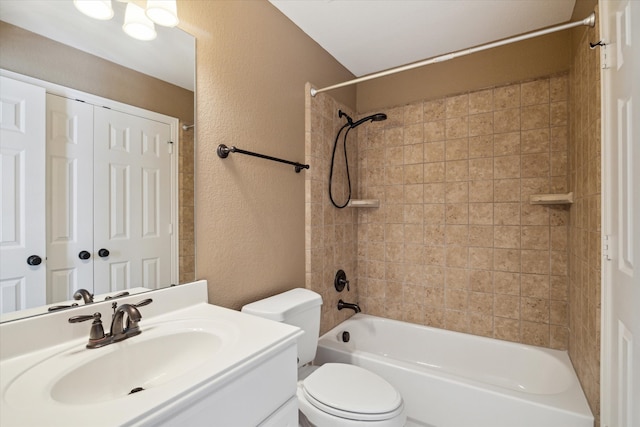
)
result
[(69, 197), (22, 163), (132, 208), (620, 29)]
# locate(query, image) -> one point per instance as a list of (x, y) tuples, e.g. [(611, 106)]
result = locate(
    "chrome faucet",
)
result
[(83, 294), (121, 327), (354, 307)]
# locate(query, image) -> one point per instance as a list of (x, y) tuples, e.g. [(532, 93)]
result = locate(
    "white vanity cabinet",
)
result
[(260, 395)]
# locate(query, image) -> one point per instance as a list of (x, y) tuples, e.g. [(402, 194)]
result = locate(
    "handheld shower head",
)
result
[(348, 126), (378, 117)]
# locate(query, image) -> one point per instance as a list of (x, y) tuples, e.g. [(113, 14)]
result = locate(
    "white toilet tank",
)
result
[(298, 307)]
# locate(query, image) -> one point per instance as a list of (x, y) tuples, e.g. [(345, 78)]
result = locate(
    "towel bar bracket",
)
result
[(223, 151)]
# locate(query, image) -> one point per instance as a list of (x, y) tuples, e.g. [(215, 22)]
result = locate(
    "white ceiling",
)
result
[(367, 36), (170, 57)]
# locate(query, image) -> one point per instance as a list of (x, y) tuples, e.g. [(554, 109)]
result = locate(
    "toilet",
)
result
[(334, 394)]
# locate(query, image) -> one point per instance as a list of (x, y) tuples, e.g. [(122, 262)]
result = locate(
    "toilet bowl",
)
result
[(337, 394), (334, 394)]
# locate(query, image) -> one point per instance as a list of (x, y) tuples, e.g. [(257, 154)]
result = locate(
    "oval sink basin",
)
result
[(160, 354), (135, 366)]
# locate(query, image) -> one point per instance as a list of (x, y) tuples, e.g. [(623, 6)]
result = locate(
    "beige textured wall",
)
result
[(30, 54), (524, 60), (582, 9), (455, 243), (584, 231), (252, 66)]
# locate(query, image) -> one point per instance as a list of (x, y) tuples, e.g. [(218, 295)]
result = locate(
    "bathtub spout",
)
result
[(354, 307)]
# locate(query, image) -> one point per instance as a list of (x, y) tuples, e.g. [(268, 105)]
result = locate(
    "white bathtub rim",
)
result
[(566, 401), (560, 357), (570, 400)]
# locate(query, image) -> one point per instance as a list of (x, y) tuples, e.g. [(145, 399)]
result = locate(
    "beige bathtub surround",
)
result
[(186, 203), (330, 232), (583, 239), (455, 243)]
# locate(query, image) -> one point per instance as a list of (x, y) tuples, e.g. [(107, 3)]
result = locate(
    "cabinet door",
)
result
[(132, 207), (69, 197), (22, 165)]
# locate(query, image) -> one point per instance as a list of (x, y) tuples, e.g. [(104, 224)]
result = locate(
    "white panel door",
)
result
[(69, 197), (132, 208), (22, 163), (620, 29)]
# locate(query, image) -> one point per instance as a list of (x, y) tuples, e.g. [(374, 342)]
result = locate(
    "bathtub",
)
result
[(451, 379)]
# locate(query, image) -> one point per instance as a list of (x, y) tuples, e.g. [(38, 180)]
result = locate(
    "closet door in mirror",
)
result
[(132, 206), (69, 197), (22, 165)]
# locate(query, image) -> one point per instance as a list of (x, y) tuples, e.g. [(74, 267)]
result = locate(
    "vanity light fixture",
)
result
[(97, 9), (136, 23), (163, 12)]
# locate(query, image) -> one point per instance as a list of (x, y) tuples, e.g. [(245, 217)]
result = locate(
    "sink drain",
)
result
[(135, 390)]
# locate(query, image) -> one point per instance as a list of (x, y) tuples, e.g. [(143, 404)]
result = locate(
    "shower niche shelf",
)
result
[(363, 203), (551, 199)]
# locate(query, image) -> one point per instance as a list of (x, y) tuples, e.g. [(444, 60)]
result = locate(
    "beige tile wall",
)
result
[(584, 229), (330, 232), (455, 243), (186, 206)]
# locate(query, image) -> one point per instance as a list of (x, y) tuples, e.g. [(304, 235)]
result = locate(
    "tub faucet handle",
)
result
[(341, 281)]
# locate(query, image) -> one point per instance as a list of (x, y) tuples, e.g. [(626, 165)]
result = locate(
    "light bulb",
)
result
[(97, 9), (163, 12), (136, 23)]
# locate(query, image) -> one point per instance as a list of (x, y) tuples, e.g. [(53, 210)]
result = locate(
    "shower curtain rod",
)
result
[(588, 21)]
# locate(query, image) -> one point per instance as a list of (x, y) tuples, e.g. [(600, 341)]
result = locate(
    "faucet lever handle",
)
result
[(96, 334), (85, 317), (60, 307), (143, 302), (121, 294)]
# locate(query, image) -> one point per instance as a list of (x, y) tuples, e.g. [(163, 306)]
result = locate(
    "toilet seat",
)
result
[(351, 392)]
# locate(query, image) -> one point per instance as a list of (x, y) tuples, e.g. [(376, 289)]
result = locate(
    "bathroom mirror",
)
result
[(168, 62)]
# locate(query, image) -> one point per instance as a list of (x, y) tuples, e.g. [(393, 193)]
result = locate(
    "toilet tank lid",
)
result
[(281, 306)]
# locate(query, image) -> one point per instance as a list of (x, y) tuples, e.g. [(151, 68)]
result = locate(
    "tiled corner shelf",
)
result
[(363, 203), (551, 199)]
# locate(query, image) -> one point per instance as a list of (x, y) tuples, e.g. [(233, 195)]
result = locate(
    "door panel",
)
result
[(132, 196), (22, 226), (620, 22), (69, 189)]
